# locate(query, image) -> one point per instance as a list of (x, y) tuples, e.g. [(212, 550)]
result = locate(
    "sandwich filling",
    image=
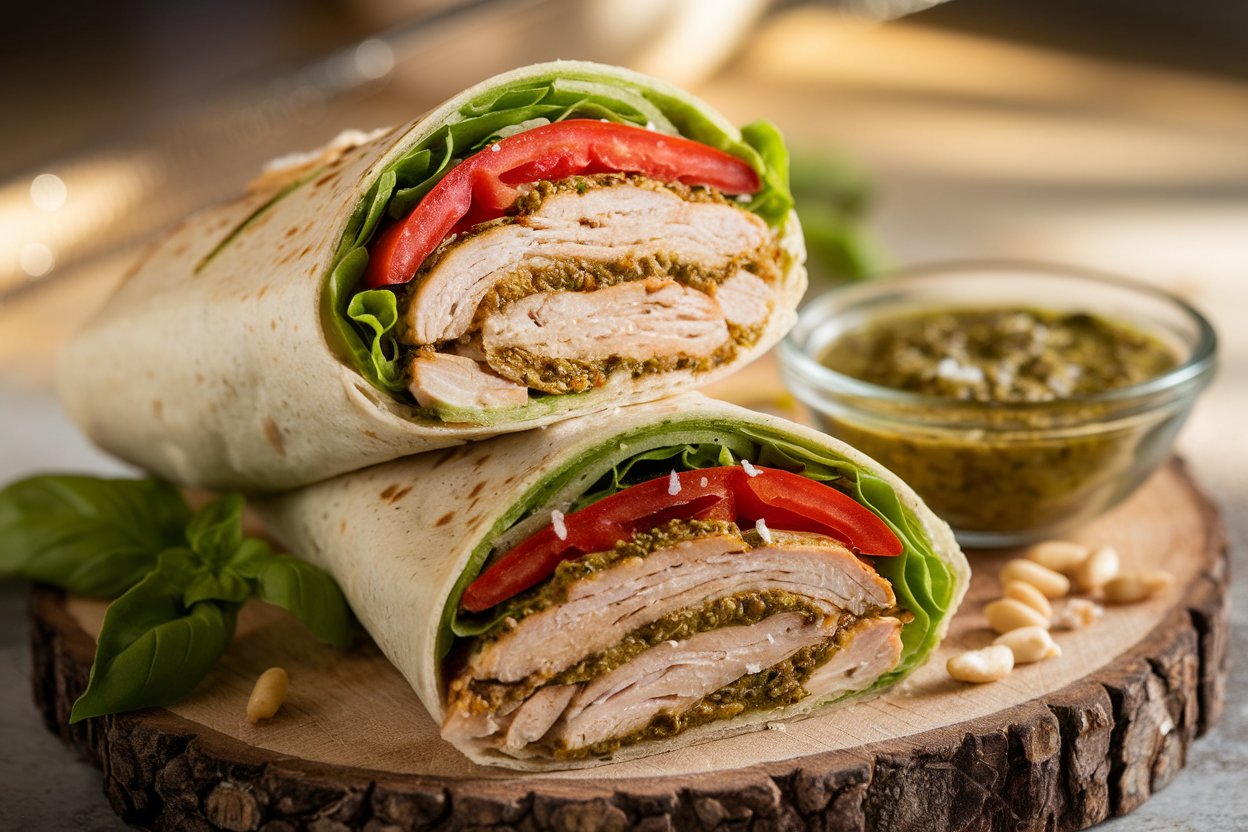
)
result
[(680, 627), (588, 277)]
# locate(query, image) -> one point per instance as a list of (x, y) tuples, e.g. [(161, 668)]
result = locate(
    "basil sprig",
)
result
[(181, 576)]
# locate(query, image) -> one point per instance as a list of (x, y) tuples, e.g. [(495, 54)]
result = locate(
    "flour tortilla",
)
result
[(398, 537), (224, 377)]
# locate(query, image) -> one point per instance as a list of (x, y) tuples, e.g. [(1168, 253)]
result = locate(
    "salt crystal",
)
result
[(760, 526), (673, 484), (750, 469), (494, 147), (703, 482), (556, 521)]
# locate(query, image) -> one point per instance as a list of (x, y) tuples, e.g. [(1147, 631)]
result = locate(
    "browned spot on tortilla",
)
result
[(292, 231), (199, 378), (445, 518), (158, 409), (342, 526), (179, 249), (370, 434), (273, 325), (475, 520), (394, 493), (509, 480), (447, 456), (305, 251), (481, 460), (476, 489), (274, 434), (329, 177), (260, 294)]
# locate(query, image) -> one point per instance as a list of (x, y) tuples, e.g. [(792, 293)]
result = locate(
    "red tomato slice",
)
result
[(484, 186), (784, 501)]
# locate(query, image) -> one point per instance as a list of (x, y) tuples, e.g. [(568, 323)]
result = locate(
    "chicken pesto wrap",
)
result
[(553, 241), (612, 588)]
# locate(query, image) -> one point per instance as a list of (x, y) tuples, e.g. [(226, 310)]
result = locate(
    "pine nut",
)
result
[(1077, 613), (988, 664), (1052, 584), (1029, 595), (1058, 555), (1136, 586), (1029, 644), (1098, 570), (1005, 614), (268, 694)]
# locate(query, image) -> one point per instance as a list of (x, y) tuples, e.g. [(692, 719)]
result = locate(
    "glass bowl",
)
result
[(1005, 474)]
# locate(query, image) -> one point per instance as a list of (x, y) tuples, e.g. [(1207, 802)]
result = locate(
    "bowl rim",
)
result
[(1199, 363)]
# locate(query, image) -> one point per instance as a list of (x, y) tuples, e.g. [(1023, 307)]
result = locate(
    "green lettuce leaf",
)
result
[(921, 581)]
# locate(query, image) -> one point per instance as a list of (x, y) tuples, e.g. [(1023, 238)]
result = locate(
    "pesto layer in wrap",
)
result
[(665, 616), (555, 240)]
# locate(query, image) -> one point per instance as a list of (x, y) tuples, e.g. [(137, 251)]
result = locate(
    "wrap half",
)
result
[(610, 588), (556, 240)]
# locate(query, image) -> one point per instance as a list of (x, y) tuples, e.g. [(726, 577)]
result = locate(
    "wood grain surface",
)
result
[(1058, 745)]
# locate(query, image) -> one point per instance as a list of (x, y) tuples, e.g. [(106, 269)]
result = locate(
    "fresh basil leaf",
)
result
[(225, 585), (250, 558), (153, 649), (216, 530), (88, 535), (310, 594)]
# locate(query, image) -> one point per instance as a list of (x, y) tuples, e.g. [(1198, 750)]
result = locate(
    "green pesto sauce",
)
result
[(1000, 354), (571, 375), (1010, 471)]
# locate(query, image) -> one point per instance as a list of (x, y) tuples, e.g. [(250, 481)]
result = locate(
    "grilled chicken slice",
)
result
[(444, 380), (637, 321), (601, 610), (542, 712), (620, 223)]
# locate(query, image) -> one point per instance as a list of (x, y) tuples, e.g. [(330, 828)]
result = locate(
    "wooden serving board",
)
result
[(1058, 745)]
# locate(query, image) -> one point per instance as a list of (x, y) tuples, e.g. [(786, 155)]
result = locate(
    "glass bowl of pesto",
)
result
[(1017, 399)]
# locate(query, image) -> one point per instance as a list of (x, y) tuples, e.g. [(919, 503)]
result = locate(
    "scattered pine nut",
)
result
[(1029, 595), (1005, 614), (268, 694), (1029, 644), (1059, 555), (1131, 587), (1099, 569), (1052, 584), (988, 664), (1077, 613)]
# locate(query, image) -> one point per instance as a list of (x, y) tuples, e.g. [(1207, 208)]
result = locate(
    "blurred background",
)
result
[(1102, 133)]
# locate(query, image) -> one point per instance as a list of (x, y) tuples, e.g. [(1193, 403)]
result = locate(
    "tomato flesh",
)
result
[(485, 185), (782, 500)]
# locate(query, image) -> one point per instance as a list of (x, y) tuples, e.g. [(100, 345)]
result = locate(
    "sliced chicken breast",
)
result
[(444, 380), (621, 224), (602, 609), (543, 685), (532, 341)]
